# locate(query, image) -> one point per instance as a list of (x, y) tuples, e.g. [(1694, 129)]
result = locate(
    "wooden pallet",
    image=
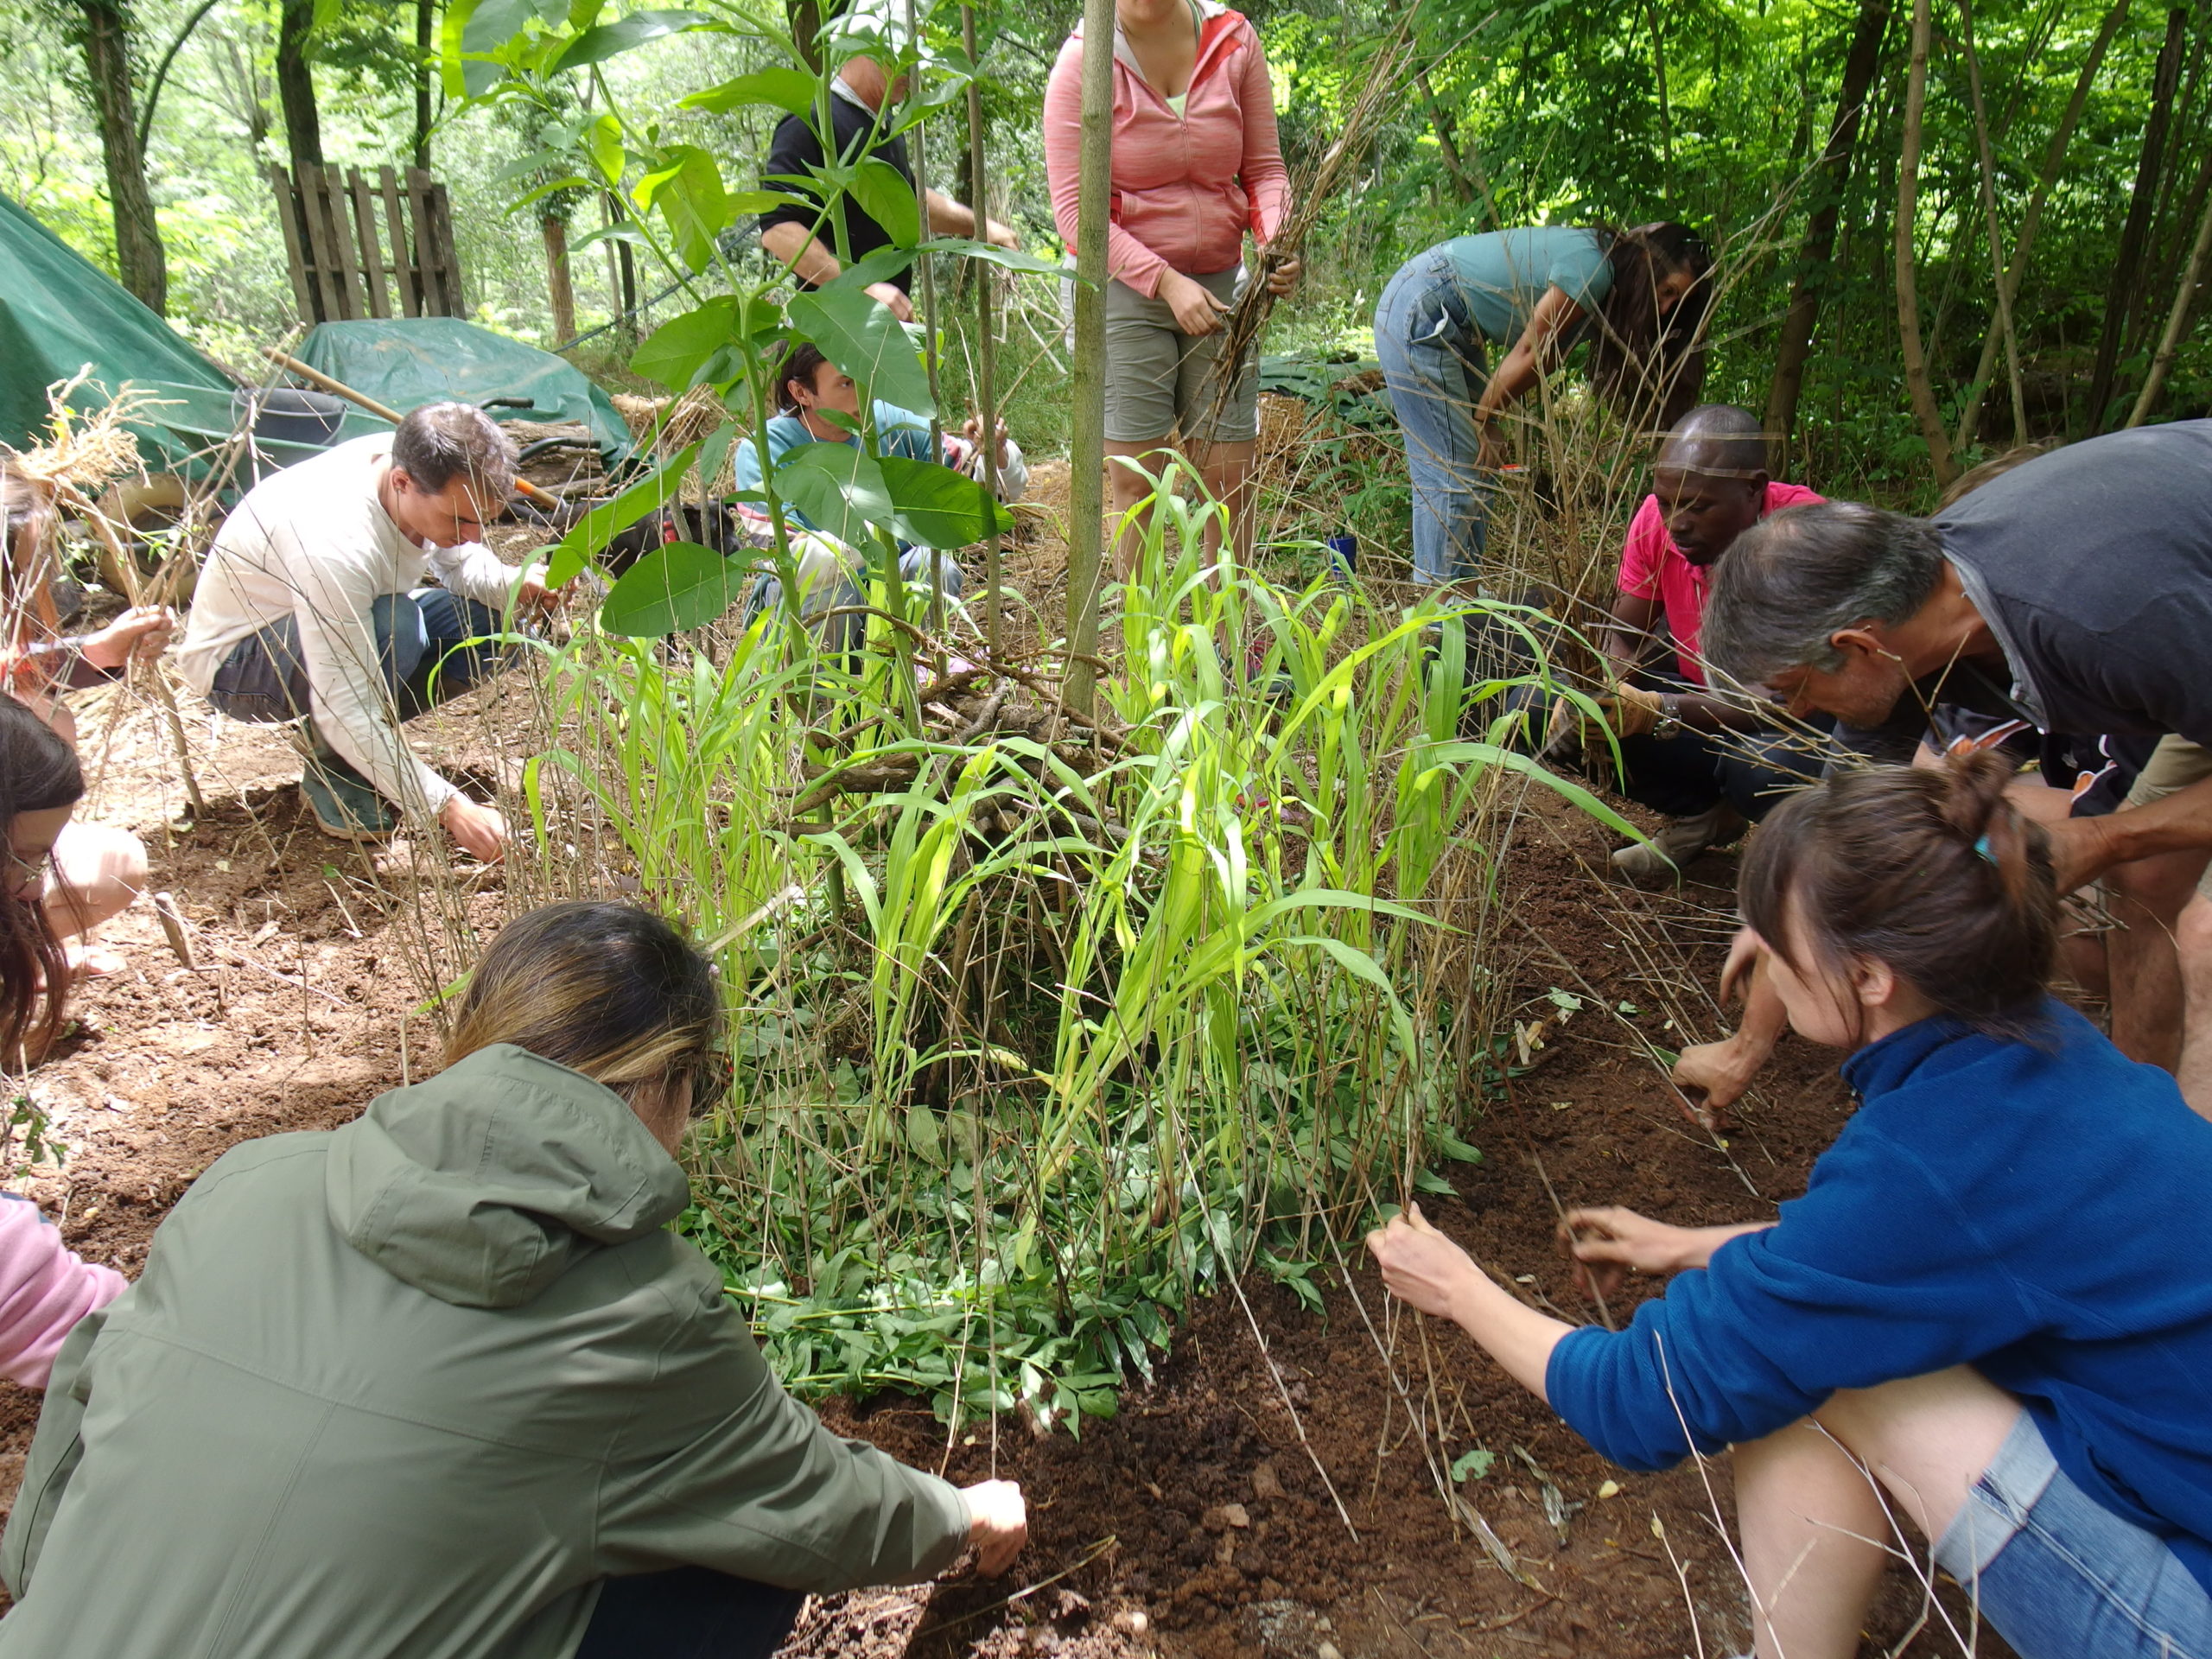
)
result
[(345, 236)]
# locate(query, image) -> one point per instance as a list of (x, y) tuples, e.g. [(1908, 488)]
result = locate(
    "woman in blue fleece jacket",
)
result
[(1996, 1293)]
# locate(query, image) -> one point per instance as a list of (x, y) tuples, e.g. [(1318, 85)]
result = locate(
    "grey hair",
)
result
[(439, 442), (1792, 580)]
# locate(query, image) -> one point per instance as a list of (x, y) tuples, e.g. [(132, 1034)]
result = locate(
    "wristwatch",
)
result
[(1670, 715)]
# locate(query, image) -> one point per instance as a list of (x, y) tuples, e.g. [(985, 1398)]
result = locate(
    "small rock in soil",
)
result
[(1266, 1483), (1225, 1515)]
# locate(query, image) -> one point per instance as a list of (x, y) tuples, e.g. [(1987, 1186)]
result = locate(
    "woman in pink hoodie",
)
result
[(1196, 166), (44, 1288)]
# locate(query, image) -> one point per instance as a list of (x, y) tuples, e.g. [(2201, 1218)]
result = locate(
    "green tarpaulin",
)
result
[(59, 313), (407, 362)]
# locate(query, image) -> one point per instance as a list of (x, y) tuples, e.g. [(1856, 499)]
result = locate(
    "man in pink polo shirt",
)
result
[(1710, 765)]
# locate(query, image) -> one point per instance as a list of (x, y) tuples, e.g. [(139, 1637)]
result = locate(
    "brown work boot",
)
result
[(1661, 859)]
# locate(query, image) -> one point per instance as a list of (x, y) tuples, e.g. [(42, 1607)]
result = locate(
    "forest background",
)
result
[(2066, 143)]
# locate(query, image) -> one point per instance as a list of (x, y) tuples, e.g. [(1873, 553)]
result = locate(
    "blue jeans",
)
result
[(422, 650), (689, 1612), (2062, 1577), (1434, 367)]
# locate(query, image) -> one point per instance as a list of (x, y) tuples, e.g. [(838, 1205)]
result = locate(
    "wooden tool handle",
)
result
[(315, 377)]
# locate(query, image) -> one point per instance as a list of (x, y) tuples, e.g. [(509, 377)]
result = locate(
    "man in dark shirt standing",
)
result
[(858, 97), (2083, 580)]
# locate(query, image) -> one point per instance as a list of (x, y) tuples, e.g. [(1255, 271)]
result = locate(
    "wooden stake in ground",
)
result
[(1916, 362), (1087, 373), (986, 408)]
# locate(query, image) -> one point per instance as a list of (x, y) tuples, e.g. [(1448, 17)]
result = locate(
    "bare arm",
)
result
[(790, 244), (1524, 365), (1628, 632), (2084, 849), (1422, 1266)]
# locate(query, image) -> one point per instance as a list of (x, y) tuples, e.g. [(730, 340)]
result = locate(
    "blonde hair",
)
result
[(610, 990)]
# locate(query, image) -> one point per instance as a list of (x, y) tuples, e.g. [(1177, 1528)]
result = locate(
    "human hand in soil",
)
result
[(534, 598), (1197, 311), (137, 636), (1607, 1244), (1713, 1078), (474, 829), (998, 1524), (1422, 1266)]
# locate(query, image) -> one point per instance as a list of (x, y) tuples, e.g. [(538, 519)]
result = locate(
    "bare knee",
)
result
[(1926, 1438)]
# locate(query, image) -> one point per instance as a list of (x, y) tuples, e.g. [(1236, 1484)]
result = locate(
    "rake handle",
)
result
[(315, 377)]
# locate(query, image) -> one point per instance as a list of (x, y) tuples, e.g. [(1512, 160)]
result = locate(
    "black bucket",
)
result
[(284, 415)]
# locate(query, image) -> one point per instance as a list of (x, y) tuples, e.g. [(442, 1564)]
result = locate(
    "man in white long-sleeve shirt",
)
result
[(313, 602)]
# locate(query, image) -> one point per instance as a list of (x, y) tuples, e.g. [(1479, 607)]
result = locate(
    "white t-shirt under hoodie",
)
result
[(314, 542)]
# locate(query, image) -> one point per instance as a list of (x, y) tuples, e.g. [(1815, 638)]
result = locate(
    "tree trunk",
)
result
[(1915, 366), (139, 256), (2023, 244), (296, 85), (559, 287), (1087, 369), (1666, 109), (2126, 271), (805, 18), (425, 36), (1447, 142), (2177, 320), (1989, 213), (1815, 269)]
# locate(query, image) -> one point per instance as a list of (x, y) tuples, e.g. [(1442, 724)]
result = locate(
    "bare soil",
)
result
[(1277, 1490)]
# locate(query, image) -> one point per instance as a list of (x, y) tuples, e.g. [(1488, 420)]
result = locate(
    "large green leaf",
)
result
[(687, 187), (886, 195), (938, 507), (787, 89), (673, 353), (492, 23), (604, 41), (679, 585), (857, 333), (838, 488), (596, 528)]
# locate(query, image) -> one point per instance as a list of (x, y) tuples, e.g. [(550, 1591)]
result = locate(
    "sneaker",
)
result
[(343, 803), (1662, 858)]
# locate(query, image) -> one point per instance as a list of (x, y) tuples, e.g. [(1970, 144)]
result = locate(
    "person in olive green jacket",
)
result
[(442, 1385)]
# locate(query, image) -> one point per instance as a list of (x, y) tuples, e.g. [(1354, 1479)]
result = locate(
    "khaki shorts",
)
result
[(1160, 380), (2175, 764)]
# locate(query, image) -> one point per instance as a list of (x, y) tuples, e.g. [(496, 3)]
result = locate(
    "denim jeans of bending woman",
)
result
[(1434, 367)]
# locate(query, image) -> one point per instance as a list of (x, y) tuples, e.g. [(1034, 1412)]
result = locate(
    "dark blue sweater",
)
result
[(2042, 1213)]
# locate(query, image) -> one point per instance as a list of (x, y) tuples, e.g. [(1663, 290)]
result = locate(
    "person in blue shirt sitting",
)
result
[(1991, 1305), (809, 390)]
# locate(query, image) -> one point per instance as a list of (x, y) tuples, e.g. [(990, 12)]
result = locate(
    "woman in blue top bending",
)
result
[(1639, 296), (1993, 1299)]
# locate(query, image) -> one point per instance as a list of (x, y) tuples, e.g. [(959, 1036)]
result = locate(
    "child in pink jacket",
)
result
[(1196, 166)]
